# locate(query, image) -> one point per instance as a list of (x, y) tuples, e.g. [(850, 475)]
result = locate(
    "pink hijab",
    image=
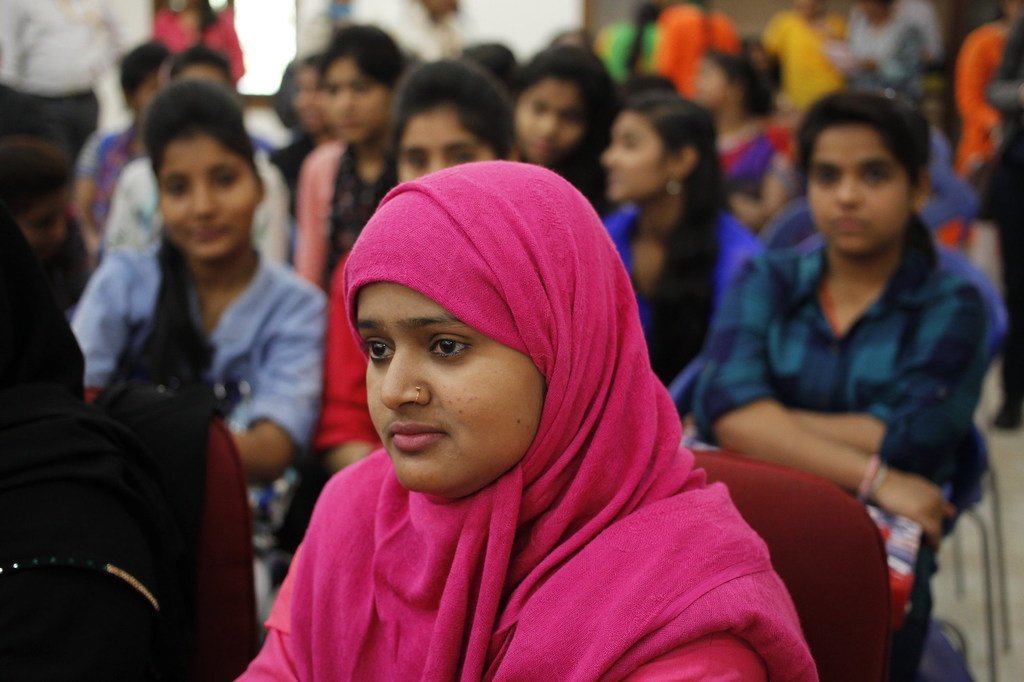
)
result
[(603, 548)]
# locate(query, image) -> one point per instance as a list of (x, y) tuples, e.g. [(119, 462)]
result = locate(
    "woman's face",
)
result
[(307, 101), (454, 408), (551, 120), (208, 196), (435, 139), (638, 166), (714, 90), (358, 107), (860, 196), (45, 224)]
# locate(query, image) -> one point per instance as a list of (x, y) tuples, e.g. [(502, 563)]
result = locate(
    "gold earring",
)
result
[(674, 186)]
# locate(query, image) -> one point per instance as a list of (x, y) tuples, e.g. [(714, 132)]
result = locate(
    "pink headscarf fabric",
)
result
[(603, 548)]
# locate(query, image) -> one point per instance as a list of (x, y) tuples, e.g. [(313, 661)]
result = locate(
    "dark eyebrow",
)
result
[(413, 322)]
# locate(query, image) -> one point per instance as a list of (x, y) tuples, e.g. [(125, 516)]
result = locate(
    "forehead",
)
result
[(387, 301), (850, 145), (197, 153), (436, 127), (557, 93), (343, 70), (633, 123)]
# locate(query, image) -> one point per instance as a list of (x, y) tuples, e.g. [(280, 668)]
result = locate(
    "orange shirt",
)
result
[(687, 32), (976, 66)]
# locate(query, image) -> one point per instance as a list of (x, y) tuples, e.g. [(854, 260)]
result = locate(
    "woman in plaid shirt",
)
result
[(857, 355)]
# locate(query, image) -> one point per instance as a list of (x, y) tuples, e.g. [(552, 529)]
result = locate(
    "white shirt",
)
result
[(56, 47), (922, 14), (134, 221)]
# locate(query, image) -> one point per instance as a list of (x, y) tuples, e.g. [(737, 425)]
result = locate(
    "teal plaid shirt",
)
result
[(915, 360)]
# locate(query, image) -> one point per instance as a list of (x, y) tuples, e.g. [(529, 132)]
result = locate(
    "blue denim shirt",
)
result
[(267, 347)]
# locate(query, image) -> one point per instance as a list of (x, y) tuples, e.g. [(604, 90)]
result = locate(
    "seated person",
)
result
[(341, 182), (88, 548), (489, 523), (35, 181), (203, 307), (857, 360), (106, 154), (759, 178), (134, 222), (447, 113), (563, 112), (677, 242)]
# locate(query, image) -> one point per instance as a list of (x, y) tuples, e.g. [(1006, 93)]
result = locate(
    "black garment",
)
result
[(91, 583), (1007, 201), (352, 204), (75, 118), (21, 114), (289, 161), (36, 343)]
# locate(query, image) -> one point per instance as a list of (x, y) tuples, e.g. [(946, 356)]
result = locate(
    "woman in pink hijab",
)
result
[(532, 514)]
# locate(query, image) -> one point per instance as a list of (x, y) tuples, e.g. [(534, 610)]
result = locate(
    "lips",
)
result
[(849, 225), (207, 234), (411, 437)]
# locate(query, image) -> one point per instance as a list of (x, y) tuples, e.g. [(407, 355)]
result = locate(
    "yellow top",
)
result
[(802, 51)]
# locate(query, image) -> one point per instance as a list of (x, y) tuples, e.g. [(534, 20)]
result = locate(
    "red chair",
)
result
[(828, 552), (226, 627)]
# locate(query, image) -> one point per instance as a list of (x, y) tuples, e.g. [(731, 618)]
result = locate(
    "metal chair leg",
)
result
[(989, 601), (1000, 547)]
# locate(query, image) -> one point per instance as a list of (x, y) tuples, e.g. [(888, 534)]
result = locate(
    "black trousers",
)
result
[(74, 118), (1007, 202)]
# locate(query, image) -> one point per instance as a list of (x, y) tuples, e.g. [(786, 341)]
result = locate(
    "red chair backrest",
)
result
[(829, 553), (226, 627)]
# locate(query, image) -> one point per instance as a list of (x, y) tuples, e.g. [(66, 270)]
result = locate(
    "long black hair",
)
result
[(481, 104), (682, 302), (375, 53), (582, 68), (176, 351), (904, 132), (646, 14), (740, 71)]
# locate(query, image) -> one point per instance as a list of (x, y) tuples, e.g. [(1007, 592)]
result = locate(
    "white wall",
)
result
[(524, 25), (135, 26)]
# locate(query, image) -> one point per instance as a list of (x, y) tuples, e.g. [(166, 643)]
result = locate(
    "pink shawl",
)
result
[(603, 548)]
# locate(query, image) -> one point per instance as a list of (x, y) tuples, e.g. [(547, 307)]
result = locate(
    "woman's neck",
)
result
[(370, 155), (224, 277), (869, 273), (659, 217), (731, 120)]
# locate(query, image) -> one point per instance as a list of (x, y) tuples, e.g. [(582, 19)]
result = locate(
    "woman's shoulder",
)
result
[(282, 300), (350, 494), (135, 267), (325, 156)]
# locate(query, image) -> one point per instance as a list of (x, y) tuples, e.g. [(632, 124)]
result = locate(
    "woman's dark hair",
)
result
[(904, 132), (176, 351), (207, 17), (496, 59), (375, 53), (31, 169), (481, 103), (681, 305), (646, 14), (738, 70), (201, 54), (583, 69), (140, 63)]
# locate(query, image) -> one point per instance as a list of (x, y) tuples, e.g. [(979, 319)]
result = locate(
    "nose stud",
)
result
[(418, 389)]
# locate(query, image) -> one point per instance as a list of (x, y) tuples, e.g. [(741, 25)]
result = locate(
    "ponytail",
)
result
[(646, 14), (176, 352), (919, 238)]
